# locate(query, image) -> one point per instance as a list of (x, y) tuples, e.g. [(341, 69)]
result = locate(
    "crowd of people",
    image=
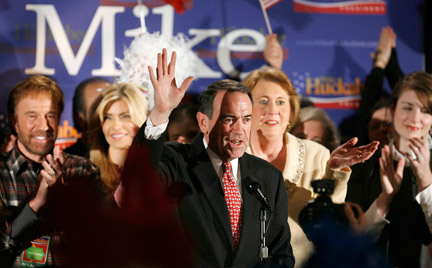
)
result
[(221, 182)]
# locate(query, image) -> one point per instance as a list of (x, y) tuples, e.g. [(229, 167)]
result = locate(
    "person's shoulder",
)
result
[(308, 145), (5, 156), (315, 146), (72, 160), (77, 148), (259, 163)]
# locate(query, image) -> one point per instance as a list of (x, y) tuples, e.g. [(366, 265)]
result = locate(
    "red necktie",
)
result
[(233, 200)]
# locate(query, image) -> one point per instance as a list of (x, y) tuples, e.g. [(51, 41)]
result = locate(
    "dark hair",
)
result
[(378, 106), (205, 100), (78, 104), (420, 82), (183, 110), (34, 85)]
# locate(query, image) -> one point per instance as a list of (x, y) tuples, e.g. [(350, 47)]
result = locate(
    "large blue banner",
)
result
[(326, 43)]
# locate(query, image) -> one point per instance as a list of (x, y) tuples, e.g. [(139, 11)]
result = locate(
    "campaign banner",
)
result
[(327, 43)]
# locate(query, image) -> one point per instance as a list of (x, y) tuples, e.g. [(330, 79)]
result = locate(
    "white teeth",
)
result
[(271, 122), (40, 138), (118, 136)]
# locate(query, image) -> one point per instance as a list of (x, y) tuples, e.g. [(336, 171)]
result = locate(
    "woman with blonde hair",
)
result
[(276, 108), (119, 112)]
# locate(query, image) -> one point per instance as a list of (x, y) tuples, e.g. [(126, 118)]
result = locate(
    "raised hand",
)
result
[(50, 175), (391, 179), (347, 155), (273, 52), (387, 40), (167, 94), (421, 163), (53, 167)]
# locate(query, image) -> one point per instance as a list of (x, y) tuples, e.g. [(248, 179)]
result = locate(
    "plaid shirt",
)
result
[(18, 185)]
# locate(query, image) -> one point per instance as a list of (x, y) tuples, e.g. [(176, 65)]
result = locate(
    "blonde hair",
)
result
[(279, 77), (138, 109)]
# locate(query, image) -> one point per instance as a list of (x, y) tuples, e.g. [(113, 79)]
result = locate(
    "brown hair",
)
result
[(279, 77), (421, 83), (32, 86)]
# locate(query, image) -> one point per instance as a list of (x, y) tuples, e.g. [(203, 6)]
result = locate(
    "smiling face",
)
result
[(411, 119), (271, 111), (227, 132), (36, 121), (118, 128)]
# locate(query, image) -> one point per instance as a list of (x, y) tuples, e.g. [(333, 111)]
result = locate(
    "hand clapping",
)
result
[(420, 164)]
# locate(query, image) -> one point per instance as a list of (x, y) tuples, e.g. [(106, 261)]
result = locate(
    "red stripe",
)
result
[(358, 8), (352, 104), (207, 53)]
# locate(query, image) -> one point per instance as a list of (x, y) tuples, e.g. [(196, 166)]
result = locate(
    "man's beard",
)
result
[(34, 148)]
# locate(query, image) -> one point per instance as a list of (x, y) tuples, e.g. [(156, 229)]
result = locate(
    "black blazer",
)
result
[(188, 174), (401, 239)]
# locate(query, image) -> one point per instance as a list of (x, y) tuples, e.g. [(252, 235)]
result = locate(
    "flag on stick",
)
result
[(266, 4), (269, 3)]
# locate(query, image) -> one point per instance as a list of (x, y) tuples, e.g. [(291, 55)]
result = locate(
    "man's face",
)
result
[(36, 122), (227, 133)]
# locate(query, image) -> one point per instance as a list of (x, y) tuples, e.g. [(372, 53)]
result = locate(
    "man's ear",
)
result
[(203, 122)]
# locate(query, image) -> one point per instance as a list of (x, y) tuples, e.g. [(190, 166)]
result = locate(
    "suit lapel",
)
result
[(204, 171), (250, 208)]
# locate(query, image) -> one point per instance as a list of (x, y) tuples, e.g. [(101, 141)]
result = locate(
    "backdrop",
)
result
[(327, 43)]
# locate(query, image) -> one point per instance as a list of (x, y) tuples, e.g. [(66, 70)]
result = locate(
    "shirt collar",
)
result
[(16, 160), (217, 162)]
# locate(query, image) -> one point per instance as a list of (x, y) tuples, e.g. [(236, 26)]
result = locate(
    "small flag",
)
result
[(269, 3), (180, 5)]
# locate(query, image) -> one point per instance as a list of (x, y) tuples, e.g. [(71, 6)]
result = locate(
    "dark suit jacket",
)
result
[(401, 239), (189, 175)]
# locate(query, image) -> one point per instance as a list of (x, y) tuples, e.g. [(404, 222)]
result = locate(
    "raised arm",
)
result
[(167, 94), (273, 53)]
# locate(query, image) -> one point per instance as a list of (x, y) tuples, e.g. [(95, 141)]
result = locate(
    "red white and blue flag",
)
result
[(269, 3)]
